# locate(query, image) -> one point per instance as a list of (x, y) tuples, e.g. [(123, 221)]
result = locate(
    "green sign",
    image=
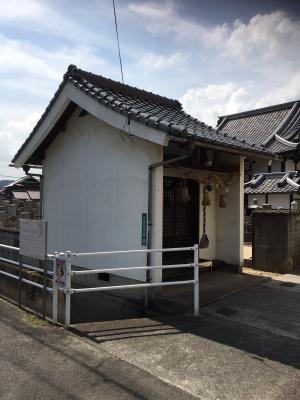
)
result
[(144, 229)]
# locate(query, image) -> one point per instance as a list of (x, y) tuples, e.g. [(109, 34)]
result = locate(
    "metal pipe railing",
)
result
[(22, 279), (36, 269), (32, 283), (132, 286), (107, 253), (5, 246), (63, 279), (143, 268)]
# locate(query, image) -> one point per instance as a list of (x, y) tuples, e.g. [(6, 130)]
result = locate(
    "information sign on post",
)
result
[(60, 273), (33, 238)]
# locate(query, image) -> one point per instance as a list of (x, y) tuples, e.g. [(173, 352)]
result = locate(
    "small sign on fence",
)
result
[(60, 273), (144, 229), (33, 238)]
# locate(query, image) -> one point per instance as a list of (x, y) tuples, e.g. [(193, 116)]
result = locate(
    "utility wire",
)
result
[(121, 67), (117, 34)]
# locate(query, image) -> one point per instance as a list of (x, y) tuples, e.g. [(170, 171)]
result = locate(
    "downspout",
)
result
[(150, 205)]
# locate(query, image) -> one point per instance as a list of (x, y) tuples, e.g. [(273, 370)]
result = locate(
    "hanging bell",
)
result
[(222, 201), (209, 187), (185, 195), (206, 199), (204, 241)]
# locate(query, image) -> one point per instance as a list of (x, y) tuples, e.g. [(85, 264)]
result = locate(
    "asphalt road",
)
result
[(46, 362)]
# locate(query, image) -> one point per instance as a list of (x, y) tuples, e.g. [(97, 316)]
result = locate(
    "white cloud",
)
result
[(20, 9), (164, 18), (207, 103), (38, 62), (152, 61), (29, 84), (43, 17), (286, 92), (264, 38)]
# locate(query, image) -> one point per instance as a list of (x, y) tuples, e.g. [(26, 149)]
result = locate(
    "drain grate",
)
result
[(288, 284), (226, 311)]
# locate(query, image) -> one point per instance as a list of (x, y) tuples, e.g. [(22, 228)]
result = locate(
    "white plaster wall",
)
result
[(95, 191), (276, 200), (290, 165), (279, 200), (261, 199), (230, 220)]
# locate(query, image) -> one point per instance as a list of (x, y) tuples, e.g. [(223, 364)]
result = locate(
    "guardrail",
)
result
[(63, 273), (62, 276), (21, 280)]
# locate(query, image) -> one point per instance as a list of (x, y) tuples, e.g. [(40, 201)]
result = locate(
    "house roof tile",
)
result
[(149, 109), (276, 182), (276, 128)]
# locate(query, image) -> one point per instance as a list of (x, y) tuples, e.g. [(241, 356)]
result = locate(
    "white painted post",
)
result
[(55, 290), (68, 288), (196, 279)]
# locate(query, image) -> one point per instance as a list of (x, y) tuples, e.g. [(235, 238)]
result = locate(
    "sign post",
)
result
[(33, 243)]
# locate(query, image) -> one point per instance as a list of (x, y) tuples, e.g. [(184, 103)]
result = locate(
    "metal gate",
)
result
[(180, 215)]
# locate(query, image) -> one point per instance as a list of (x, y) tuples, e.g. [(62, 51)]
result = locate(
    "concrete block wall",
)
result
[(276, 240)]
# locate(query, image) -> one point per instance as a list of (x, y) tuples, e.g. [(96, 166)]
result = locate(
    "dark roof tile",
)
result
[(148, 108), (261, 125), (275, 182)]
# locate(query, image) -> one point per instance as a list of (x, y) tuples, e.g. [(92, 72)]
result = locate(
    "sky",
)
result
[(216, 56)]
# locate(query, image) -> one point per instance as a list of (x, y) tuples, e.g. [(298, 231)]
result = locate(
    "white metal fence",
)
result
[(63, 272), (23, 267)]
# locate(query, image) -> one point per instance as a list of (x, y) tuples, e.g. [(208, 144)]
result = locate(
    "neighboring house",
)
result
[(276, 188), (113, 154), (4, 183), (275, 129), (25, 188)]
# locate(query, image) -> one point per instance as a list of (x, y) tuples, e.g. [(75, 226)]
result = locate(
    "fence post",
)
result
[(196, 279), (55, 290), (68, 288), (43, 264), (20, 282)]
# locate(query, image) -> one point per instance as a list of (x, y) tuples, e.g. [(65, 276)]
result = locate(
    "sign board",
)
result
[(60, 273), (33, 238), (144, 229)]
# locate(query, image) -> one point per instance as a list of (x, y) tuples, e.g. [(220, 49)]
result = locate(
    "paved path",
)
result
[(252, 354), (45, 363), (271, 307)]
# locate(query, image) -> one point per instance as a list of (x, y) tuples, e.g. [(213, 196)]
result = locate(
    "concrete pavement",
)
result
[(46, 362), (245, 346)]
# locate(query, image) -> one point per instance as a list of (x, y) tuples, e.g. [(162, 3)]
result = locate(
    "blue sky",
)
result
[(216, 57)]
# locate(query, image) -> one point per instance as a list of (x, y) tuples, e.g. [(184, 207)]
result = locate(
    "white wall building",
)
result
[(112, 155)]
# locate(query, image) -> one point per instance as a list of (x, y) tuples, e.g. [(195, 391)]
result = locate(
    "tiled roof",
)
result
[(21, 195), (34, 194), (275, 182), (147, 108), (276, 128), (29, 195)]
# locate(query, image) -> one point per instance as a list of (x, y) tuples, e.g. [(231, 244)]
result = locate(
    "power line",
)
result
[(117, 34)]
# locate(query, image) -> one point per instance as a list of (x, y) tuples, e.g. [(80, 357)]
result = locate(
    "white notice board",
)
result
[(33, 238)]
